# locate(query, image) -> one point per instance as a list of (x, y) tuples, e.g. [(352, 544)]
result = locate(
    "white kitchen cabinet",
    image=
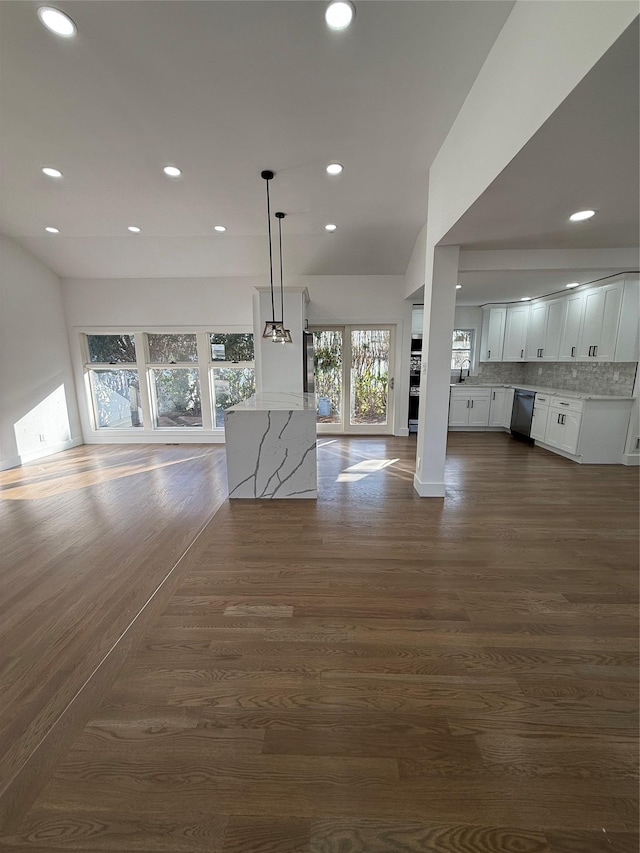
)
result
[(469, 407), (600, 321), (591, 431), (540, 417), (492, 338), (500, 406), (515, 333), (563, 429), (571, 327), (627, 348), (546, 320)]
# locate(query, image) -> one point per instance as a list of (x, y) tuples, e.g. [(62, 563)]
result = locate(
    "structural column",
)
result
[(279, 366), (441, 277)]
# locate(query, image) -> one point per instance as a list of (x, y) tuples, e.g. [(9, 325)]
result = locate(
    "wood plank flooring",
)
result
[(371, 673)]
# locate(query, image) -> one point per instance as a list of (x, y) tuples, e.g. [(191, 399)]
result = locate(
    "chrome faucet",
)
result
[(468, 360)]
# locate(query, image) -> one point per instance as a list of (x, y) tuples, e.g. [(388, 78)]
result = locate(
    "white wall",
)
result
[(38, 411), (228, 303)]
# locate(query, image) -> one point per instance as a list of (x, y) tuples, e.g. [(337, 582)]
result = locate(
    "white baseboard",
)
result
[(631, 458), (16, 461), (403, 431), (185, 436), (428, 490)]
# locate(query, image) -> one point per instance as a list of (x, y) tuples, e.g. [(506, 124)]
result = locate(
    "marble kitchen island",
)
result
[(271, 446)]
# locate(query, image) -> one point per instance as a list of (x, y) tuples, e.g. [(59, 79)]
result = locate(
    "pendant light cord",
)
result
[(273, 307), (280, 218)]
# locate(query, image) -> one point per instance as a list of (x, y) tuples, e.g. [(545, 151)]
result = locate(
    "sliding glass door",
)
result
[(354, 378)]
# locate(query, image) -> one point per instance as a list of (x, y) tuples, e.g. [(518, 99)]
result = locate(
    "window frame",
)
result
[(472, 343), (149, 431)]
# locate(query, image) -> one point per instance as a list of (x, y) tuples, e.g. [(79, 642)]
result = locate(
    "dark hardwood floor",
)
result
[(371, 673)]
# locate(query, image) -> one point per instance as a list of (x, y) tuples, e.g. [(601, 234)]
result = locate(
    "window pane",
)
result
[(231, 385), (116, 398), (460, 357), (462, 339), (231, 347), (111, 349), (327, 356), (177, 397), (172, 348), (369, 375)]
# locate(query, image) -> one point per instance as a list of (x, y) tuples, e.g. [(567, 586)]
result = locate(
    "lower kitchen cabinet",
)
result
[(563, 429), (500, 407), (469, 407), (587, 431)]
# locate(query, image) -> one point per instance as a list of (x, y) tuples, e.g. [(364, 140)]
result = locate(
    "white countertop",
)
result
[(552, 392), (276, 401)]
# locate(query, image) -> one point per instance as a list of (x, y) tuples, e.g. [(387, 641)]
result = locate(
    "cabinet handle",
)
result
[(573, 352), (494, 395), (542, 352), (488, 353), (467, 404), (564, 404), (521, 353), (559, 421), (472, 404), (595, 350), (564, 419)]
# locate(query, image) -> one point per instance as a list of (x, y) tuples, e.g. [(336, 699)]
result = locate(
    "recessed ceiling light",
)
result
[(334, 168), (52, 230), (219, 228), (581, 215), (525, 299), (458, 287), (51, 172), (57, 21), (172, 171), (134, 229), (339, 14), (574, 284), (330, 227)]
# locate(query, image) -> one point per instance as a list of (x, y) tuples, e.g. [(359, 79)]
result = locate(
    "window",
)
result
[(167, 380), (176, 393), (462, 349), (116, 398), (233, 377)]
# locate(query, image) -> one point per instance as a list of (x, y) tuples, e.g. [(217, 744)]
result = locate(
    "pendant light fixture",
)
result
[(273, 328), (287, 334)]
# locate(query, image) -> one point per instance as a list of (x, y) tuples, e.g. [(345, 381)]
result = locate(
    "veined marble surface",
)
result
[(276, 401), (271, 451)]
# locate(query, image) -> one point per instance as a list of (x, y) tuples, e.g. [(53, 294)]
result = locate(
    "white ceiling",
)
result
[(586, 155), (225, 90)]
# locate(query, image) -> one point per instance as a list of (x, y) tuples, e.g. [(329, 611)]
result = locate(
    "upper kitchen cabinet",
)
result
[(600, 320), (493, 326), (609, 328), (515, 334), (546, 320), (574, 310)]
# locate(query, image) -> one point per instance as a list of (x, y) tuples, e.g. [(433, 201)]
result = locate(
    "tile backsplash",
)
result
[(589, 378)]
